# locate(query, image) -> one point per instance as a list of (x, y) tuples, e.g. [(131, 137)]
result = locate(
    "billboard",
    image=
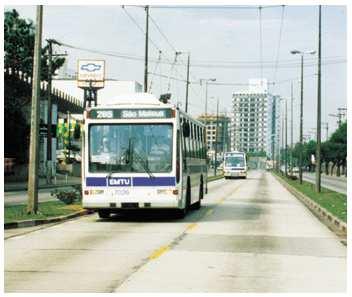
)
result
[(91, 73)]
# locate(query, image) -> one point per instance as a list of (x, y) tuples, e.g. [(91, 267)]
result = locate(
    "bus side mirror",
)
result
[(185, 129)]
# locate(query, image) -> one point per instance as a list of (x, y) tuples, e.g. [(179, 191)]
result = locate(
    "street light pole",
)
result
[(216, 136), (318, 149), (291, 127), (301, 127), (294, 52), (286, 136), (32, 204)]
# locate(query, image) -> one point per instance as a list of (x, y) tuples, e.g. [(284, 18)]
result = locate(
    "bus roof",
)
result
[(144, 99), (235, 152)]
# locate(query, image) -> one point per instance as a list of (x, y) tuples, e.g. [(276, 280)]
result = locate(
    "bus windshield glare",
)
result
[(130, 148), (234, 161)]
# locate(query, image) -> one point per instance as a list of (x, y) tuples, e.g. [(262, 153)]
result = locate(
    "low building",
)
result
[(223, 138)]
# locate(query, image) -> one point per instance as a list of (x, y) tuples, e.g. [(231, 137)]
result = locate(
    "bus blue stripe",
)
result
[(154, 181), (137, 181), (96, 182)]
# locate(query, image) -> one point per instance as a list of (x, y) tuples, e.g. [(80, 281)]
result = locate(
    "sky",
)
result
[(232, 44)]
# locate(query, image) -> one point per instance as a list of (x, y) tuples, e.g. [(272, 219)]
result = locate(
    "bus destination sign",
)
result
[(130, 113)]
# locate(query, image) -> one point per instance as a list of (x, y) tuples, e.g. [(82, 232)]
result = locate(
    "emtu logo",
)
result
[(91, 67), (120, 182)]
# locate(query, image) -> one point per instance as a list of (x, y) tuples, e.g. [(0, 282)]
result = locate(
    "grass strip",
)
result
[(333, 202), (15, 213), (214, 177)]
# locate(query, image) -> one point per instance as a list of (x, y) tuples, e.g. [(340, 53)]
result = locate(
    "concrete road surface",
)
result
[(250, 236), (337, 184)]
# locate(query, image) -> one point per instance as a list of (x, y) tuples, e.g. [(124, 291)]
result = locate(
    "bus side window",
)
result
[(195, 142), (204, 144), (198, 142), (187, 140), (184, 147), (178, 161), (191, 141)]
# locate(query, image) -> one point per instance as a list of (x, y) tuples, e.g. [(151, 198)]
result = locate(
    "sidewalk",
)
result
[(61, 181)]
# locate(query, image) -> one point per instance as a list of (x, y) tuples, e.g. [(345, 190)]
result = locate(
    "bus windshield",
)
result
[(127, 148), (234, 161)]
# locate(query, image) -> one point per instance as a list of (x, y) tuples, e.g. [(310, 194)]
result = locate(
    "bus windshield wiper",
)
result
[(143, 162)]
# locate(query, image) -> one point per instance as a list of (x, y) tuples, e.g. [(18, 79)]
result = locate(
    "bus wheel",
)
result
[(104, 214)]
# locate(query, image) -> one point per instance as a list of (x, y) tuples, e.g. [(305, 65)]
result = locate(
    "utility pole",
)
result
[(49, 116), (187, 84), (301, 127), (326, 124), (32, 204), (69, 133), (339, 116), (49, 119), (216, 136), (286, 136), (318, 149), (291, 127), (146, 50)]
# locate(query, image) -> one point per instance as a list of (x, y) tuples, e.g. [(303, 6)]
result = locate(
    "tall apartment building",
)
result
[(255, 118), (223, 138)]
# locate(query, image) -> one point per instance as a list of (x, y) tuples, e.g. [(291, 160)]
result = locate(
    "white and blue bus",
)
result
[(141, 153), (235, 165)]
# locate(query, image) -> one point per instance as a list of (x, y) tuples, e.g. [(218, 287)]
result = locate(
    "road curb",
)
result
[(31, 223), (332, 222), (42, 187)]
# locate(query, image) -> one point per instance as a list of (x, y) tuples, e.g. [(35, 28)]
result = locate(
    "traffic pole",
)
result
[(32, 202)]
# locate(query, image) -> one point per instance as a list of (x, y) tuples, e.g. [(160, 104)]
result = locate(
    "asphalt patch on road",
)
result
[(258, 244)]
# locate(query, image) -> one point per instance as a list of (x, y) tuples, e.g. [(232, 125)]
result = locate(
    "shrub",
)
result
[(68, 196)]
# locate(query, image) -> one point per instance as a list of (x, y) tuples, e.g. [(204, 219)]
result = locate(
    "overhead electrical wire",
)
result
[(261, 43), (175, 50), (155, 45), (251, 64), (279, 42), (234, 7)]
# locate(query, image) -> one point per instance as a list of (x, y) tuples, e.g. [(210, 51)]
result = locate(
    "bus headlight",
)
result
[(167, 191)]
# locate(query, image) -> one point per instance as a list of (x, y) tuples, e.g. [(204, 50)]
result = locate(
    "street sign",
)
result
[(91, 74)]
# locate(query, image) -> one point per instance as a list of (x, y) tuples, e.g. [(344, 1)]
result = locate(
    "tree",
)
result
[(339, 142), (19, 48)]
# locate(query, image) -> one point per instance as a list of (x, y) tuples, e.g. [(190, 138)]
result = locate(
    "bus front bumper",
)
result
[(235, 173)]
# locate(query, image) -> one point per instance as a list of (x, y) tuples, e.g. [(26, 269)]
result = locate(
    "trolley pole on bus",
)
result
[(146, 50), (187, 83)]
